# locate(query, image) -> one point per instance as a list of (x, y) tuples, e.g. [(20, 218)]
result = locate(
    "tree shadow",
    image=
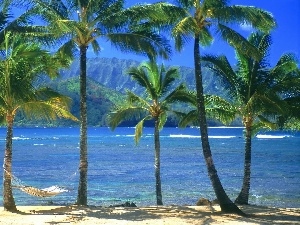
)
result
[(202, 214), (263, 214), (79, 213)]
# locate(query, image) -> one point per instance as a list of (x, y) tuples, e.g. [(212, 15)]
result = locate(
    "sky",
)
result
[(286, 37)]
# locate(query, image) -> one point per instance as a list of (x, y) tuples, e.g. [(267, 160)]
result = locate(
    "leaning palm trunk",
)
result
[(8, 198), (243, 197), (157, 164), (83, 167), (225, 203)]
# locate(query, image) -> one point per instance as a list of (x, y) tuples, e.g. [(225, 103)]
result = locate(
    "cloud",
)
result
[(246, 27)]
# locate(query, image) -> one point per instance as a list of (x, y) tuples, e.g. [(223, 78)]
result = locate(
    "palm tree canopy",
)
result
[(257, 88), (21, 64), (156, 102), (216, 108), (203, 18), (16, 17), (86, 22)]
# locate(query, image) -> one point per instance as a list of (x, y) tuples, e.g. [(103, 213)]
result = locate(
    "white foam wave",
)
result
[(183, 136), (195, 136), (126, 135), (267, 136), (20, 138), (221, 136)]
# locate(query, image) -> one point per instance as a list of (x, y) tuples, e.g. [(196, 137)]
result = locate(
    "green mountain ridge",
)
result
[(111, 72), (106, 84)]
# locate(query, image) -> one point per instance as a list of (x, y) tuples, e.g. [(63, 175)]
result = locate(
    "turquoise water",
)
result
[(119, 171)]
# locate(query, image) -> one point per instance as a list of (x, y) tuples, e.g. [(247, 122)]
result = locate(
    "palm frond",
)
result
[(153, 74), (67, 50), (219, 109), (258, 18), (162, 120), (285, 65), (139, 129), (179, 94), (272, 125), (142, 77), (122, 114), (96, 47), (183, 31), (238, 41), (205, 37), (192, 117), (168, 79), (50, 110), (222, 68), (262, 42), (141, 42)]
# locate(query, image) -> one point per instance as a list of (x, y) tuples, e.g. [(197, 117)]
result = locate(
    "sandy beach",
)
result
[(167, 215)]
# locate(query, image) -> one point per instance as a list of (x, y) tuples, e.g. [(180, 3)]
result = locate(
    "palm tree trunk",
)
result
[(83, 166), (157, 164), (225, 203), (8, 198), (243, 197)]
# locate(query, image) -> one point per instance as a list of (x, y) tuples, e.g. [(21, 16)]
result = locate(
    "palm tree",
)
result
[(260, 93), (197, 24), (216, 108), (82, 23), (160, 94), (21, 64), (19, 22)]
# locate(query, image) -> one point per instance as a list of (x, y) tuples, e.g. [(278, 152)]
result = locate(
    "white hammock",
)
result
[(43, 193)]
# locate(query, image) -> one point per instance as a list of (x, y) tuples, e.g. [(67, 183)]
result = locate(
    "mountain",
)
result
[(111, 72), (106, 84)]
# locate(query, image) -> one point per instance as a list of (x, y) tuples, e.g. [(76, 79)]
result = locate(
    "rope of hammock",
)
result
[(43, 193)]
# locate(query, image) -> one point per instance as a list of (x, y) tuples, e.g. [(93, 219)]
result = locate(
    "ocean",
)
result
[(120, 171)]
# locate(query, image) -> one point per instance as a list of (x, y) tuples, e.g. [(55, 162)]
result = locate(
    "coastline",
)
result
[(166, 215)]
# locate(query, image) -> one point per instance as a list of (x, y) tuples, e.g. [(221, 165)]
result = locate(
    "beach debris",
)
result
[(126, 204), (203, 201)]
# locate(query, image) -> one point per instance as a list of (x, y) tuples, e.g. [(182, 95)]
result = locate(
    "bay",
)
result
[(119, 171)]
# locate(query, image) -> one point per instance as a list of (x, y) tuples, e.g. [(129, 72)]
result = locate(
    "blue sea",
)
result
[(120, 171)]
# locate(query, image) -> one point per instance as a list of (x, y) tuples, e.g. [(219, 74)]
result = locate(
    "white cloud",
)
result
[(246, 27)]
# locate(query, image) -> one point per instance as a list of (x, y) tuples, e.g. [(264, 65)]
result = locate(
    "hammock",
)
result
[(43, 193)]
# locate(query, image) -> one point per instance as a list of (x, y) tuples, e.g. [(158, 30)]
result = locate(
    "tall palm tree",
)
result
[(21, 64), (83, 23), (160, 94), (260, 93), (200, 18)]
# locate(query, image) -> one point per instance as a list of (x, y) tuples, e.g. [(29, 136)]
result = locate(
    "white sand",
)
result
[(171, 215)]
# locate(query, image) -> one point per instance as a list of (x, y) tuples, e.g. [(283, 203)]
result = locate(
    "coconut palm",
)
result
[(18, 22), (261, 94), (21, 64), (156, 104), (216, 108), (200, 18), (84, 23)]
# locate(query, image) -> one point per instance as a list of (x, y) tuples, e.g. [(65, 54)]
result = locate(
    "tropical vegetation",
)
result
[(21, 64), (82, 24), (156, 104), (262, 95), (197, 24)]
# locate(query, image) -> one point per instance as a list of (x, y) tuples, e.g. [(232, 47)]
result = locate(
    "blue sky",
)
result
[(286, 37)]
